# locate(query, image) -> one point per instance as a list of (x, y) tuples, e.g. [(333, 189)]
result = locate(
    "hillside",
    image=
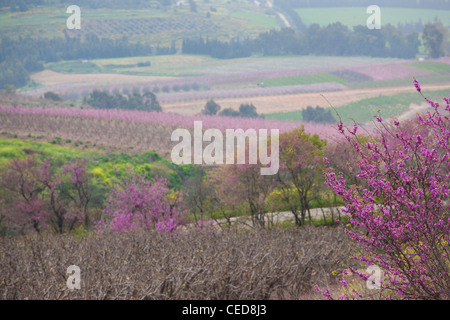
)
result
[(224, 150)]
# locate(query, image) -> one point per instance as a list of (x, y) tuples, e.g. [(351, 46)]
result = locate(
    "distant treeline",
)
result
[(334, 39), (235, 48), (420, 4), (19, 57)]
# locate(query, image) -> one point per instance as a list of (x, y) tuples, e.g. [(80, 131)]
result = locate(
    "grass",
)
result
[(32, 85), (73, 67), (171, 65), (102, 166), (13, 148), (301, 80), (431, 66), (257, 19), (399, 82), (292, 115), (364, 110), (196, 65), (352, 16)]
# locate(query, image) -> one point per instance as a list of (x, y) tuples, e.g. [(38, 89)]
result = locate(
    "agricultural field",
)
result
[(183, 83), (160, 25), (361, 111), (353, 16)]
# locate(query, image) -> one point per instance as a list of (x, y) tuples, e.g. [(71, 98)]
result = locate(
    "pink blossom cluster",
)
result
[(172, 119), (400, 210), (139, 204), (47, 197)]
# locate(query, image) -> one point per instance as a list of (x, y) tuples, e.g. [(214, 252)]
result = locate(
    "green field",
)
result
[(302, 80), (257, 19), (13, 148), (353, 16), (222, 20), (102, 166), (430, 66), (196, 65), (400, 82), (364, 110), (291, 116)]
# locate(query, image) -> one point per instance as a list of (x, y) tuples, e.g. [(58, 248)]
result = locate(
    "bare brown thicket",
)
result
[(224, 265)]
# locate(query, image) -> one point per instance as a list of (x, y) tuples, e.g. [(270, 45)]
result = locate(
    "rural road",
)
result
[(277, 217), (282, 17)]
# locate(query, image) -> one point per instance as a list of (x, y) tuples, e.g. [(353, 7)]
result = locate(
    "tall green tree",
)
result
[(211, 108), (300, 174), (12, 72), (433, 36), (248, 110)]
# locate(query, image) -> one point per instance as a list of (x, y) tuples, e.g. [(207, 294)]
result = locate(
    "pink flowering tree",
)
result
[(25, 206), (400, 214), (136, 203), (46, 197)]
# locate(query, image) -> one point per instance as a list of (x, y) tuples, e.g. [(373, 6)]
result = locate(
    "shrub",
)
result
[(136, 203), (318, 114), (400, 214), (49, 95), (211, 108)]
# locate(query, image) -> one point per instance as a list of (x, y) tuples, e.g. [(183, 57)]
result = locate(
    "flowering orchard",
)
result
[(399, 207), (166, 119)]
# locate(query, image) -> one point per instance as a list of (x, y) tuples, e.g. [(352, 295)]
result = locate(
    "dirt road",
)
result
[(278, 217)]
